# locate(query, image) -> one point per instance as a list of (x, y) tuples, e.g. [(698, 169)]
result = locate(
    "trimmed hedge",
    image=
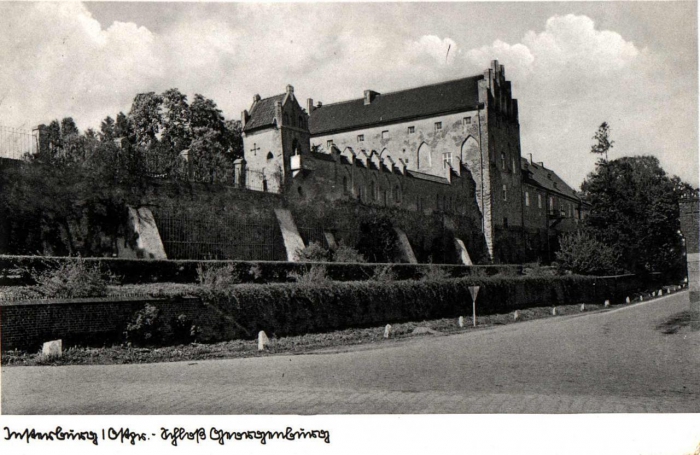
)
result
[(291, 308), (132, 271)]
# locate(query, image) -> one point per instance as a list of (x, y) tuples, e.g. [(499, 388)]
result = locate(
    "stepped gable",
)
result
[(452, 96), (538, 175), (263, 112)]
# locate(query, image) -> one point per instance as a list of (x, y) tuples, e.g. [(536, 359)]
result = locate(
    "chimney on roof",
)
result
[(319, 104), (278, 113), (256, 98), (541, 163), (310, 105), (530, 157), (290, 89), (244, 118), (370, 95)]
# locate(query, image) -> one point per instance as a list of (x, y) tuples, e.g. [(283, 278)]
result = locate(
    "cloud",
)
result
[(442, 51), (59, 61), (571, 77)]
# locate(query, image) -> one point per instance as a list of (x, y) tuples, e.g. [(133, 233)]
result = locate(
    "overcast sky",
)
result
[(572, 65)]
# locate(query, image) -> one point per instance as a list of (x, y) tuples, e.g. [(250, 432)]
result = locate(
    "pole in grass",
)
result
[(474, 291)]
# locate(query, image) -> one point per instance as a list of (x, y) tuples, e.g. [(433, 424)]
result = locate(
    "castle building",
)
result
[(451, 147)]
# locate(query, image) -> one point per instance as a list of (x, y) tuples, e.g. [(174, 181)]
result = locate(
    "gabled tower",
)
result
[(275, 129)]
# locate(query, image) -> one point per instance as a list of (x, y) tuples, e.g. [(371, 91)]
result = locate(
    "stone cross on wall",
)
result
[(255, 149)]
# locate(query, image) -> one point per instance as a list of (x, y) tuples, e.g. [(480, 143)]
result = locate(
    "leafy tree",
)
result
[(146, 117), (634, 210), (205, 114), (107, 129), (68, 128), (584, 255), (176, 128), (123, 127), (682, 189), (234, 138), (208, 158), (603, 143)]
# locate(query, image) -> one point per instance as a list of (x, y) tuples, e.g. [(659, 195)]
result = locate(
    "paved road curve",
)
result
[(613, 361)]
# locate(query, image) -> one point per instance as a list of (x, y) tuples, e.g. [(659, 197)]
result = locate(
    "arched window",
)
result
[(270, 156), (470, 149), (423, 157), (373, 190), (301, 122), (286, 119), (300, 191), (345, 185), (397, 194)]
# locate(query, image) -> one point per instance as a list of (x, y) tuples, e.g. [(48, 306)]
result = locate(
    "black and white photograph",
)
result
[(347, 209)]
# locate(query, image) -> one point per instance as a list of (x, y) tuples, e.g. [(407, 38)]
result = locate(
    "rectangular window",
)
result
[(527, 199), (411, 129), (503, 161), (438, 126), (446, 160), (505, 193), (539, 201), (466, 121), (551, 203), (505, 222), (360, 138), (515, 169), (329, 143), (385, 134)]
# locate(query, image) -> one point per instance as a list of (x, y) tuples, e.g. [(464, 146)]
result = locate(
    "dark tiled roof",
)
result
[(428, 177), (452, 96), (537, 175), (263, 112)]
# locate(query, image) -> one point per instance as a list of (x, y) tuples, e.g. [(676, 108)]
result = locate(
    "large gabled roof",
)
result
[(538, 175), (452, 96), (263, 112)]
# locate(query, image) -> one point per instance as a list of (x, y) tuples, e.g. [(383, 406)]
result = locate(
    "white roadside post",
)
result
[(474, 291), (263, 340)]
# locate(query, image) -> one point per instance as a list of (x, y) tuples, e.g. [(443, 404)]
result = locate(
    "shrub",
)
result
[(384, 273), (434, 273), (583, 254), (537, 269), (314, 252), (315, 275), (345, 253), (145, 328), (149, 327), (507, 272), (72, 279), (378, 240), (217, 276)]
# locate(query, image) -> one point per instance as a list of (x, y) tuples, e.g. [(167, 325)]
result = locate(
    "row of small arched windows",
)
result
[(374, 192)]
